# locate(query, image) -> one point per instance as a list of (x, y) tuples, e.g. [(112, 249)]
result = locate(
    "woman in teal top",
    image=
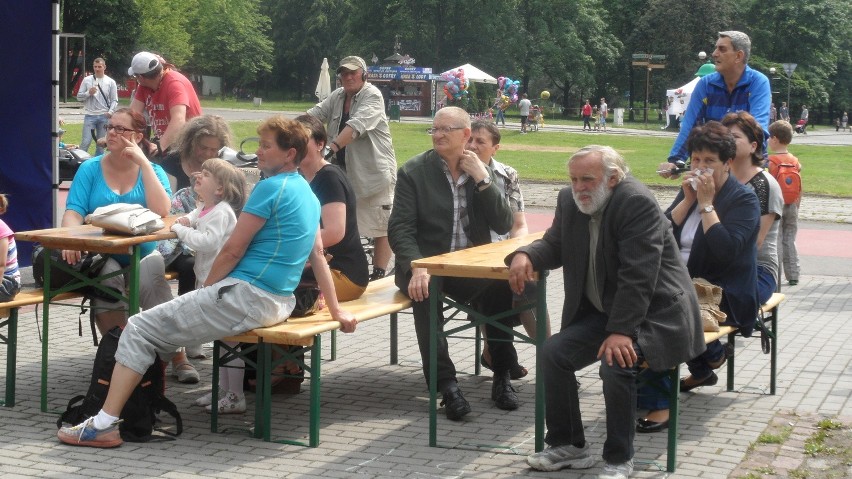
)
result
[(122, 175)]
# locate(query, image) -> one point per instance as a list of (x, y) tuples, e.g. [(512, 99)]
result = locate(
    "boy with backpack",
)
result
[(785, 168)]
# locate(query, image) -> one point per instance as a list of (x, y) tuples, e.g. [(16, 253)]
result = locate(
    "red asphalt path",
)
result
[(810, 242)]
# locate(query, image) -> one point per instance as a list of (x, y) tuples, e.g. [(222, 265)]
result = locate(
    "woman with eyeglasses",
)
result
[(124, 175)]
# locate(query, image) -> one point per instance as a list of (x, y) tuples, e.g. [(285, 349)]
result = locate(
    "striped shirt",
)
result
[(11, 254)]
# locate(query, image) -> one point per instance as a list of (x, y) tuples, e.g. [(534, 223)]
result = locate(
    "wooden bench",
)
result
[(9, 311), (768, 313), (382, 298)]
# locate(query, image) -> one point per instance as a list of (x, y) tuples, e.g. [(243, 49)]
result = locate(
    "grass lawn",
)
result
[(542, 156)]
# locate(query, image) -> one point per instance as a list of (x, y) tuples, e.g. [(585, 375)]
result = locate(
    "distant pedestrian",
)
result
[(803, 119), (587, 115), (603, 112), (524, 106), (99, 95), (780, 136), (784, 113), (773, 113)]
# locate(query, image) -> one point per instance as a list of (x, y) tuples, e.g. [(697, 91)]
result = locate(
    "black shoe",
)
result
[(455, 405), (645, 425), (793, 282), (502, 392), (711, 380), (515, 372)]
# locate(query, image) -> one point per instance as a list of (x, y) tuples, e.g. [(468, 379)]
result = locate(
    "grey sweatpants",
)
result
[(229, 307)]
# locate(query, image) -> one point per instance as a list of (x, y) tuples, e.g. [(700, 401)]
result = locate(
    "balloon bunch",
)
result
[(457, 84), (509, 87)]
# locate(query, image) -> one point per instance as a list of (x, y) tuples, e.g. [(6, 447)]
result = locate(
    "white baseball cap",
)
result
[(143, 62)]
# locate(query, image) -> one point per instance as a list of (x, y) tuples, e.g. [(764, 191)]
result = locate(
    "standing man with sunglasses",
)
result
[(360, 142), (166, 95), (99, 95), (447, 200)]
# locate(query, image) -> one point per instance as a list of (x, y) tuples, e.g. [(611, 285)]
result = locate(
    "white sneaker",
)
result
[(230, 404), (207, 399), (561, 457), (617, 471)]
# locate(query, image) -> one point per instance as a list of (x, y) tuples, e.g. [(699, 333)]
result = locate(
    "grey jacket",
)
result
[(370, 159), (646, 291)]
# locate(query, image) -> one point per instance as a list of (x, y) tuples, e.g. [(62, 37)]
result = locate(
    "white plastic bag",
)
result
[(125, 218)]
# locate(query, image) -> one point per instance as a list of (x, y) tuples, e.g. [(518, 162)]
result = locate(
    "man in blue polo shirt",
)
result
[(733, 87)]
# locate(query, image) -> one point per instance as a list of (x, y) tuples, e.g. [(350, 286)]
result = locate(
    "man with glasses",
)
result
[(166, 95), (360, 142), (99, 95), (446, 200)]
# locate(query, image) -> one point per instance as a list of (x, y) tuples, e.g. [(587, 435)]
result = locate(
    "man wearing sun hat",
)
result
[(360, 141), (165, 94)]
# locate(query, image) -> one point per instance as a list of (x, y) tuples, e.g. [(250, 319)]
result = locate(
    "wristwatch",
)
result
[(708, 209), (483, 184)]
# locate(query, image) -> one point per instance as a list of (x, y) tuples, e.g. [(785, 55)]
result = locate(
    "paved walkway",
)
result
[(374, 421)]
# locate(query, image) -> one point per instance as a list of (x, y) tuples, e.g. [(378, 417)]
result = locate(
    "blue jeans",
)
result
[(97, 123), (766, 283)]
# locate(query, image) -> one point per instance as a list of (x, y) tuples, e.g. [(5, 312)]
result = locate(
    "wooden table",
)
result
[(484, 261), (93, 239)]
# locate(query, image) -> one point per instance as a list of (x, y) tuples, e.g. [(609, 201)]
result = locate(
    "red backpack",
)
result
[(785, 168)]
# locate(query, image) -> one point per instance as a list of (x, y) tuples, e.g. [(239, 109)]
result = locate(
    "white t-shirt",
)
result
[(524, 106)]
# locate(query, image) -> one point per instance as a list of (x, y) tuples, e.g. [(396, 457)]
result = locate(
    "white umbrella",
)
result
[(324, 84)]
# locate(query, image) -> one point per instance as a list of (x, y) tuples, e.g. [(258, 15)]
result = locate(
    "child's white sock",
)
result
[(103, 420)]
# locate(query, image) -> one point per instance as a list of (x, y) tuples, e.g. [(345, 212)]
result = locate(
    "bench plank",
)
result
[(381, 298)]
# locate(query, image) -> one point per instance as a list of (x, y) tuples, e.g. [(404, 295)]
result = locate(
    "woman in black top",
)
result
[(340, 238)]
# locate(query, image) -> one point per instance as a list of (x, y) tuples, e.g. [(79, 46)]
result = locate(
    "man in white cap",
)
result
[(168, 97), (360, 141)]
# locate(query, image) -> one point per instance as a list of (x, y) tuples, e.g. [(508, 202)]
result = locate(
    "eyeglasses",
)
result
[(119, 129), (444, 129)]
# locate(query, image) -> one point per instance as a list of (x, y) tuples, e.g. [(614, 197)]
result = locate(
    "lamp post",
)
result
[(650, 62), (706, 68)]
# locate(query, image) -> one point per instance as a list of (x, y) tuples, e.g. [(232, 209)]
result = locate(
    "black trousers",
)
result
[(491, 297)]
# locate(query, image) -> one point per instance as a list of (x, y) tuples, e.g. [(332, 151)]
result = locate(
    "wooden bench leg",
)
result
[(11, 355)]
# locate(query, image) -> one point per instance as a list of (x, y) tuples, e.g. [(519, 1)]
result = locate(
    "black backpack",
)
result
[(139, 414)]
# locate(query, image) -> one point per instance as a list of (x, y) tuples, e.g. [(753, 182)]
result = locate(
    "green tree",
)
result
[(816, 36), (165, 28), (231, 40), (572, 43), (111, 29), (303, 33)]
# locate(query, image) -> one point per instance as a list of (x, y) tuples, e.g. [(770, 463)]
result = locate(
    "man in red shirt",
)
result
[(163, 93)]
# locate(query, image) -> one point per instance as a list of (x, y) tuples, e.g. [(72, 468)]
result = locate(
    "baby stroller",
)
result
[(801, 125), (534, 118)]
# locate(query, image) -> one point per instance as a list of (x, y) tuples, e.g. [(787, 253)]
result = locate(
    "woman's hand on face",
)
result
[(132, 152), (689, 193), (706, 188)]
